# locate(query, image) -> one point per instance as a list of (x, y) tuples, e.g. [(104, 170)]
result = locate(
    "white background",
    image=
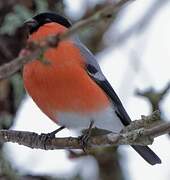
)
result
[(150, 67)]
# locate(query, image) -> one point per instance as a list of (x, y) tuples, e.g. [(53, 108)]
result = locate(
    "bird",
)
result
[(71, 88)]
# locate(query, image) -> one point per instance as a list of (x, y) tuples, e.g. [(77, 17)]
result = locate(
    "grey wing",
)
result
[(94, 71), (96, 74)]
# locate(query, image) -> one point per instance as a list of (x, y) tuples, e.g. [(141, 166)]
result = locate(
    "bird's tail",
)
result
[(147, 154)]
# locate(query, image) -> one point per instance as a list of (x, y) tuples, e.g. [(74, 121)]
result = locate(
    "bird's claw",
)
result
[(84, 139), (49, 136)]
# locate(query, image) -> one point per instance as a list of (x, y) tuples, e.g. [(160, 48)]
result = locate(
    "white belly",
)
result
[(105, 119)]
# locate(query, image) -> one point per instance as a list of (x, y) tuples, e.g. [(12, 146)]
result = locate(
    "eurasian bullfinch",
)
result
[(71, 89)]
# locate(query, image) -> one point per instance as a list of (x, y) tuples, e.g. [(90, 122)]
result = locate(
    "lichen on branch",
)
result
[(140, 135)]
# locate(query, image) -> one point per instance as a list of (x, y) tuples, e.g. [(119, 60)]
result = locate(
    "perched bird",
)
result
[(71, 88)]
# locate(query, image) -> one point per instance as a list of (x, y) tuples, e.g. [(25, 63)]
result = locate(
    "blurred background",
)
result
[(134, 53)]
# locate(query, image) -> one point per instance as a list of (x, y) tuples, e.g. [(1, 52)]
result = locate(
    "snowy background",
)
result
[(139, 63)]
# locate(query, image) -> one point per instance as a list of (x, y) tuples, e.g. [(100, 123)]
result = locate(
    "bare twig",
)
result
[(141, 136), (10, 68), (154, 97)]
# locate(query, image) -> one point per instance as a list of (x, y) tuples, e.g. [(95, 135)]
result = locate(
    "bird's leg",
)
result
[(83, 139), (49, 136)]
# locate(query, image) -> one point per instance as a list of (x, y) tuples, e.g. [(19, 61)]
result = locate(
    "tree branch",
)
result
[(105, 14), (155, 97), (136, 136)]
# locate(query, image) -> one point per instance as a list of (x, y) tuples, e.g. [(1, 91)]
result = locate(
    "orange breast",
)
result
[(63, 84)]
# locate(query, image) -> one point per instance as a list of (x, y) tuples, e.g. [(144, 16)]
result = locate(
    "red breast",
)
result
[(63, 84)]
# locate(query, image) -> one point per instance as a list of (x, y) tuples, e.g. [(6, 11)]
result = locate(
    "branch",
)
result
[(137, 136), (105, 14), (154, 97), (144, 122)]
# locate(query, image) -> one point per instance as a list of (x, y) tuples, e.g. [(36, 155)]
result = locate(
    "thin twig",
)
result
[(13, 66)]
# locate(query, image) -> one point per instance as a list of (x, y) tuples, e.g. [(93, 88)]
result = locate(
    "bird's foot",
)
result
[(49, 136), (84, 139)]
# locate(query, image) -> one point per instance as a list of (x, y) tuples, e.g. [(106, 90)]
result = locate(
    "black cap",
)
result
[(43, 18)]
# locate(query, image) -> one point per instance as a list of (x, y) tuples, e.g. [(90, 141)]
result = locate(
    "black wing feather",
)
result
[(94, 71), (120, 111), (144, 151)]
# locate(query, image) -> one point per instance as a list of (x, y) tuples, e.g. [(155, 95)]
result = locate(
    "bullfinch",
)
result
[(71, 88)]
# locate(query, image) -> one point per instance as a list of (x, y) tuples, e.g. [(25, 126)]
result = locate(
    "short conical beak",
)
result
[(31, 24)]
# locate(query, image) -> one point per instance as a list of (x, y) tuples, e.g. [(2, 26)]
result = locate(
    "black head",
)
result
[(43, 18)]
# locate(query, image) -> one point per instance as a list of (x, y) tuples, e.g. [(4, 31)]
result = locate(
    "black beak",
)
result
[(31, 24)]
